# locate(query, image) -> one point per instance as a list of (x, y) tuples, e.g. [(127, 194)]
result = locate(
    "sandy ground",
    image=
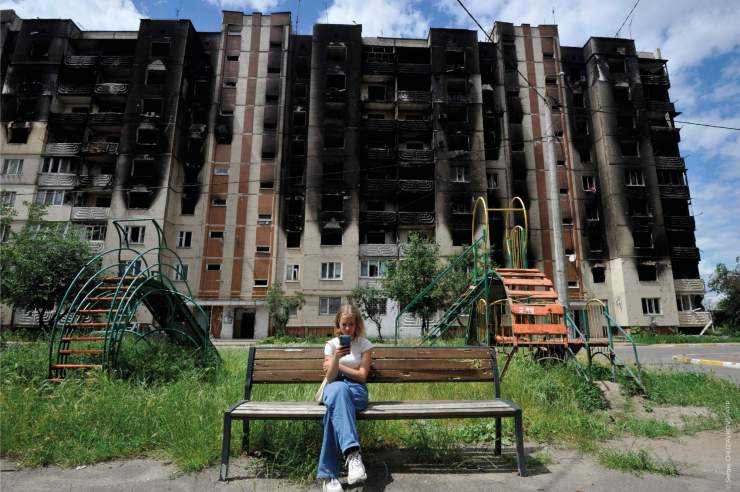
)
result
[(702, 459)]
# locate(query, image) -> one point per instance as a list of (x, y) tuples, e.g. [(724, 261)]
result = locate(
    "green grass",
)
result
[(651, 339), (637, 462), (163, 404)]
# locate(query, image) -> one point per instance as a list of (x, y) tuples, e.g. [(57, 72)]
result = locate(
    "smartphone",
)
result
[(345, 340)]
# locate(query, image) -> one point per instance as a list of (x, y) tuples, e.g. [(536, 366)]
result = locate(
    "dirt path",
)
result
[(702, 460)]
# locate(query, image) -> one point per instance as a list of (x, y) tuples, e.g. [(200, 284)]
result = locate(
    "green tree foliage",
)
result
[(39, 261), (279, 306), (369, 300), (726, 282)]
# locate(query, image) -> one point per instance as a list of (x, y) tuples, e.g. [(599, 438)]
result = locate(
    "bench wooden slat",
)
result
[(535, 282), (376, 376), (399, 364), (379, 410), (380, 353)]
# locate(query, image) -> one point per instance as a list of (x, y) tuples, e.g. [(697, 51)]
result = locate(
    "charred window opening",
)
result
[(461, 206), (595, 241), (331, 237), (139, 200), (682, 239), (639, 207), (460, 237), (598, 273), (299, 118), (457, 86), (293, 239), (298, 147), (334, 170), (270, 119), (647, 272), (592, 212), (151, 106), (458, 143), (617, 65), (375, 237), (336, 52), (454, 59), (457, 114), (27, 109), (676, 208), (300, 91), (642, 239), (39, 48), (332, 203), (419, 56), (274, 61), (336, 82), (685, 269), (142, 171), (376, 93), (156, 77), (334, 139), (625, 121), (302, 65), (673, 178), (377, 54), (272, 90), (375, 206), (629, 148), (414, 83), (160, 48), (622, 95), (147, 136)]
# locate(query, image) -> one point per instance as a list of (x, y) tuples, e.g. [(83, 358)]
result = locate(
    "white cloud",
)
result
[(257, 5), (398, 18), (101, 15)]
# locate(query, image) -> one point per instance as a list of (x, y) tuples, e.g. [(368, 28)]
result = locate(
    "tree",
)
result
[(38, 262), (371, 302), (280, 306), (726, 283)]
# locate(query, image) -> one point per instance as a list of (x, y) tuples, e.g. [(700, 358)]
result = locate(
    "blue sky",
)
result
[(700, 39)]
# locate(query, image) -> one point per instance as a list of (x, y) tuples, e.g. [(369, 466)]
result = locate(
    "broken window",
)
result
[(454, 59), (293, 240), (625, 121), (638, 207), (336, 52), (457, 86), (335, 82), (598, 273), (376, 93), (629, 148), (39, 48), (617, 65), (332, 203), (595, 241), (674, 178), (621, 95), (299, 118), (651, 305), (647, 272), (160, 48), (331, 237), (151, 107), (156, 77), (592, 212), (642, 239), (334, 140)]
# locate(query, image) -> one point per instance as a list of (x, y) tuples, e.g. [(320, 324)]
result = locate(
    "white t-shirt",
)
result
[(357, 347)]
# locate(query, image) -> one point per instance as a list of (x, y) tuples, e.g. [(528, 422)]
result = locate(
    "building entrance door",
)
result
[(244, 326)]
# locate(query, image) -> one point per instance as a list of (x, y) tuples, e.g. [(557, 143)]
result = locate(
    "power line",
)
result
[(616, 35), (708, 125)]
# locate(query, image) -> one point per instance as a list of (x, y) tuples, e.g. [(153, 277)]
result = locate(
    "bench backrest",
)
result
[(389, 365)]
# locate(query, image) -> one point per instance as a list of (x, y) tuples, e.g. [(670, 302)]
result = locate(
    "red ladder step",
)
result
[(85, 351), (111, 287), (77, 366), (117, 279), (534, 294), (83, 339), (99, 299)]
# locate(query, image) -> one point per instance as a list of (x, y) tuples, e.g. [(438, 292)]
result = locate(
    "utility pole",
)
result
[(553, 200)]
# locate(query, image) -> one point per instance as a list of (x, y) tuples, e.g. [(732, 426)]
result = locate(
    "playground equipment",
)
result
[(109, 296), (517, 307)]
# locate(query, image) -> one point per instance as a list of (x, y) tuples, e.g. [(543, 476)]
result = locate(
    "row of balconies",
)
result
[(689, 285), (674, 191), (107, 88), (75, 148), (680, 222), (385, 218), (73, 180), (389, 126), (685, 253), (695, 318), (404, 185), (669, 161), (92, 119), (661, 107), (655, 79), (92, 60), (411, 155)]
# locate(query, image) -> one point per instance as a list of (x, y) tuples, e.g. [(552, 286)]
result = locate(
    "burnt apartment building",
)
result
[(307, 159)]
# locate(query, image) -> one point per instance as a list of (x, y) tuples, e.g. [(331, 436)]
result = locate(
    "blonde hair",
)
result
[(349, 310)]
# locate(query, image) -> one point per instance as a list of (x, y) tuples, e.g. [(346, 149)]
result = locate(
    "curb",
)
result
[(706, 362)]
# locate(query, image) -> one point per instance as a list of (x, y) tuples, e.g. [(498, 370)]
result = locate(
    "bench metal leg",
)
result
[(497, 443), (245, 436), (519, 431), (225, 446)]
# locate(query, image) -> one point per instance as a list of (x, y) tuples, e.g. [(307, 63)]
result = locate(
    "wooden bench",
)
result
[(291, 365)]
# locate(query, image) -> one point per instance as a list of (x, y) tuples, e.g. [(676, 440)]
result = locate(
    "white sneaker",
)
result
[(355, 468), (332, 485)]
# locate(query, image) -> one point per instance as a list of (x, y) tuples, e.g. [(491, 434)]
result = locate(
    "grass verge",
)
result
[(652, 339), (637, 462)]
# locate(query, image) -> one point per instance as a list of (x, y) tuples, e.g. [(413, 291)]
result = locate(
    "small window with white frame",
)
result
[(7, 198), (651, 306), (492, 179), (181, 272), (184, 238), (687, 303), (328, 306), (293, 273), (12, 167), (331, 270), (260, 282), (589, 184), (135, 234), (50, 197), (460, 174), (56, 165), (634, 177), (264, 219), (372, 268), (95, 232), (221, 171), (263, 249)]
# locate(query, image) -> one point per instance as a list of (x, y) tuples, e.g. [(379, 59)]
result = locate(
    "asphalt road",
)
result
[(662, 356)]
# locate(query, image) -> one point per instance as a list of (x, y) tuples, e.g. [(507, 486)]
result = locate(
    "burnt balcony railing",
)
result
[(411, 218), (116, 61), (674, 191), (415, 96), (661, 106), (693, 318), (374, 250), (63, 148), (295, 222), (111, 89), (329, 215), (457, 98), (97, 181), (89, 213), (414, 68), (689, 285), (655, 79), (81, 60), (68, 118), (101, 148), (58, 180), (416, 155), (197, 131), (382, 126), (72, 89), (106, 119), (415, 125), (416, 185), (669, 161), (678, 222), (385, 218), (685, 253), (378, 67), (381, 154), (380, 185), (336, 95)]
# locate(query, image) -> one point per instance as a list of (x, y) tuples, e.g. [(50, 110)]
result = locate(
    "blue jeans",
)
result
[(343, 398)]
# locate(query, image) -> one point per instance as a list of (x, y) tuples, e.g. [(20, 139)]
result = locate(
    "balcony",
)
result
[(58, 180), (96, 246), (71, 89), (68, 118), (295, 223), (116, 61), (418, 97), (378, 250), (378, 67), (379, 218), (416, 185), (380, 154), (80, 61), (415, 126), (677, 222), (96, 181), (689, 285), (83, 214), (661, 107), (111, 89), (106, 119), (696, 318), (412, 218), (414, 68), (416, 155), (96, 148), (380, 126), (669, 161), (63, 148), (655, 79), (674, 191), (685, 253), (380, 185)]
